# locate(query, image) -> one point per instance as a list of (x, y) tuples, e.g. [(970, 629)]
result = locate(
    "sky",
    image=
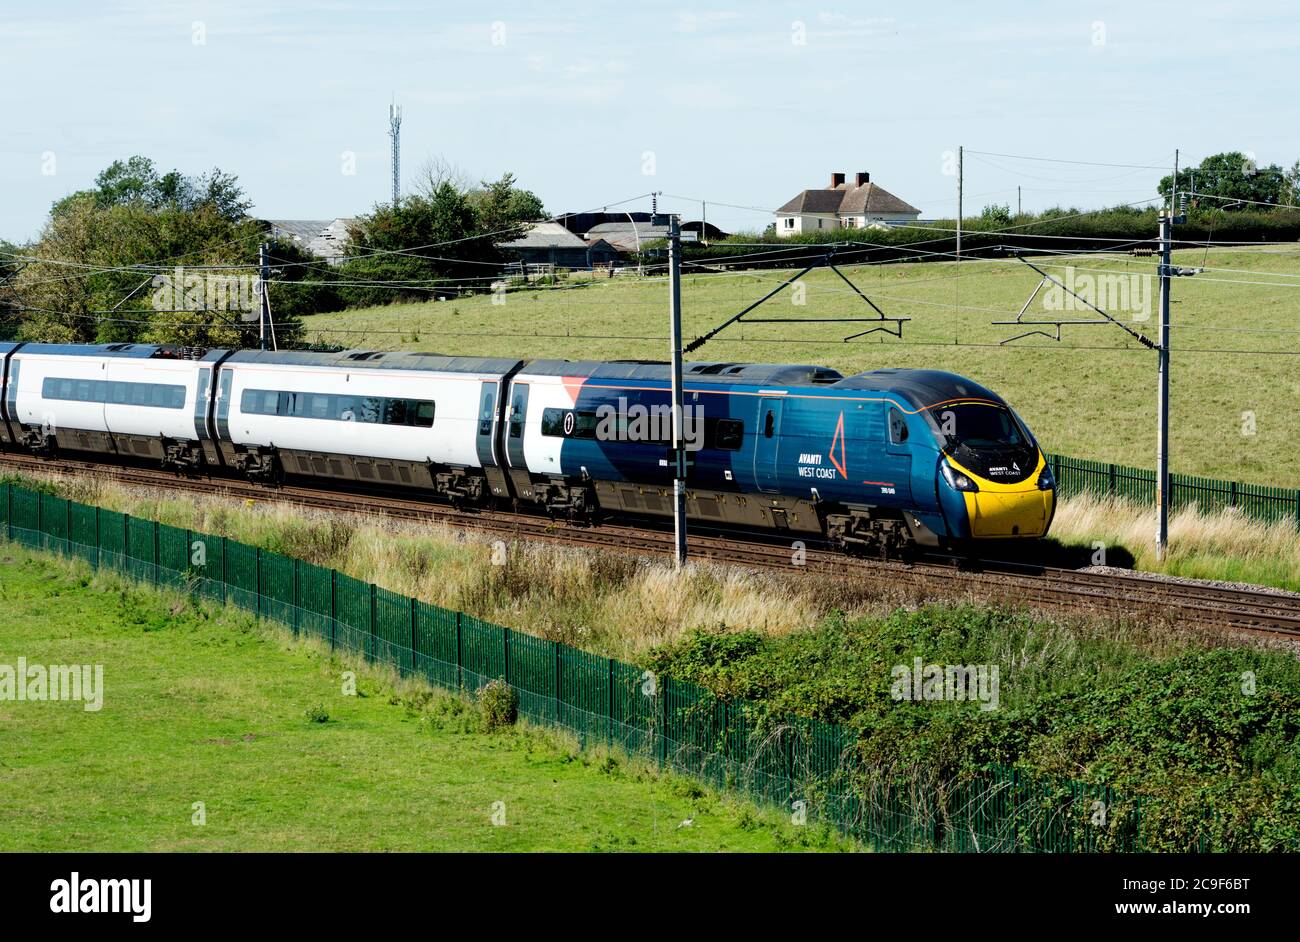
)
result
[(593, 105)]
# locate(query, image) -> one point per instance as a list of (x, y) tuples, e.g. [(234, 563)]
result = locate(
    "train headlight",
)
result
[(1045, 480), (957, 480)]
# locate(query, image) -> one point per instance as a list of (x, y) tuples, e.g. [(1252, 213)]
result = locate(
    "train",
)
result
[(884, 461)]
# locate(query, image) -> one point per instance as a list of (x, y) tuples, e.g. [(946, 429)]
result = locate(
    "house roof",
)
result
[(546, 235), (321, 237), (849, 200)]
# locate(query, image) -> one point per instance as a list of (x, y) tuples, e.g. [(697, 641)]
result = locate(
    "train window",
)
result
[(728, 434), (153, 395), (395, 412), (517, 413), (568, 423), (897, 427), (374, 410), (769, 424)]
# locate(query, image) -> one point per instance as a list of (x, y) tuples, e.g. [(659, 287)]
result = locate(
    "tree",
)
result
[(106, 250), (1291, 192), (132, 181), (437, 170), (1232, 176), (501, 206), (996, 215)]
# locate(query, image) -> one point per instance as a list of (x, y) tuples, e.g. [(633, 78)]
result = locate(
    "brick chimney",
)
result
[(862, 178), (837, 179)]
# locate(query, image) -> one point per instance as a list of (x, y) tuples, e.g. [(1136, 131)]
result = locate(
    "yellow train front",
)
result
[(994, 481)]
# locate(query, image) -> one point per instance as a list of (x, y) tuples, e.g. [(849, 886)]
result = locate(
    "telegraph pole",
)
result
[(1167, 272), (264, 302), (679, 438), (1162, 438), (959, 183)]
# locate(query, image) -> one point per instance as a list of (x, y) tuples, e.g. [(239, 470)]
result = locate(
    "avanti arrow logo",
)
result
[(841, 465)]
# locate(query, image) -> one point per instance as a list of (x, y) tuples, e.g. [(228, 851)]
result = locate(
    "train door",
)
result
[(516, 419), (896, 459), (767, 438), (486, 438), (487, 404)]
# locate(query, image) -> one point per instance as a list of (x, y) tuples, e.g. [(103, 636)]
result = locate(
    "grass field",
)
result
[(205, 705), (1079, 399)]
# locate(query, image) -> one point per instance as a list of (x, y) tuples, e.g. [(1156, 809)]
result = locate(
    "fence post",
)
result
[(67, 520), (257, 571), (370, 641), (460, 670), (294, 596), (334, 606), (157, 554), (557, 682), (415, 614), (609, 703), (505, 650), (1297, 509), (222, 581), (663, 723), (1112, 479), (1232, 493)]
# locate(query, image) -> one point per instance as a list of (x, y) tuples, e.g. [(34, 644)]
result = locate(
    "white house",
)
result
[(842, 205)]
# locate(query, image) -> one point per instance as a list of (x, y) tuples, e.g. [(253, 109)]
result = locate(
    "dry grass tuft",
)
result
[(1224, 545)]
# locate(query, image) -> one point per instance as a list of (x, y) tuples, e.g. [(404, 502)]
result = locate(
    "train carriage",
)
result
[(116, 399), (868, 460), (407, 419)]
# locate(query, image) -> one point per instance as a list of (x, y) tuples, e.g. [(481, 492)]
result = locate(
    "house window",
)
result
[(789, 222), (820, 222), (850, 222)]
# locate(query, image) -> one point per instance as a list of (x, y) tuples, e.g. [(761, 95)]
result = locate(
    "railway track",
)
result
[(1047, 588)]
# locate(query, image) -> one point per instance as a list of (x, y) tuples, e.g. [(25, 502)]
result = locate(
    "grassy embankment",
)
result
[(202, 704), (621, 605), (1080, 401)]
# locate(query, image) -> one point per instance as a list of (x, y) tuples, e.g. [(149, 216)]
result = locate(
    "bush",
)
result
[(317, 713), (498, 705)]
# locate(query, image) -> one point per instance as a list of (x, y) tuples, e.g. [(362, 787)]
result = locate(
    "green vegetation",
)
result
[(205, 705), (1231, 412), (1209, 737)]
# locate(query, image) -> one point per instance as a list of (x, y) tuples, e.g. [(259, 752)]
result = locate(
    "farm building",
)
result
[(324, 238), (842, 205), (628, 237), (549, 243)]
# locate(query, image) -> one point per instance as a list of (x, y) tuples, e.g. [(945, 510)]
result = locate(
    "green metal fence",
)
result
[(803, 765), (1260, 501)]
